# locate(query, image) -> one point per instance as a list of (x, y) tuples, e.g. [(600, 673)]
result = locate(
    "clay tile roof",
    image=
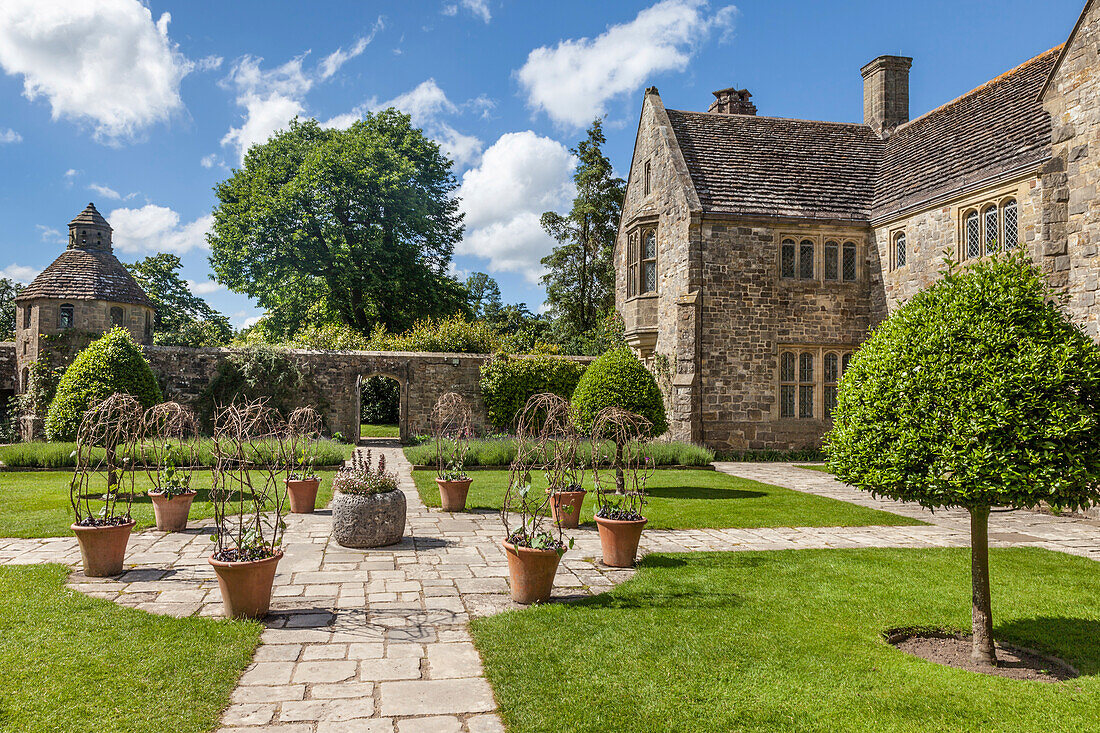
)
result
[(994, 129), (86, 274), (744, 164), (90, 217)]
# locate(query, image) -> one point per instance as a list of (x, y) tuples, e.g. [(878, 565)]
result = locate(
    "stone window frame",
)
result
[(790, 385), (1000, 202), (892, 249), (636, 260), (121, 316), (843, 241), (26, 317), (61, 313), (647, 181)]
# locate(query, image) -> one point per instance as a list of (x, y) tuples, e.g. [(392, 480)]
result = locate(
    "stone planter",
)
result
[(565, 507), (370, 520), (619, 540), (452, 494), (246, 586), (303, 494), (171, 511), (531, 573), (102, 549)]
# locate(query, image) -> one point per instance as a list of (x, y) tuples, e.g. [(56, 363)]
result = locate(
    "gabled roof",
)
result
[(744, 164), (997, 128), (86, 274)]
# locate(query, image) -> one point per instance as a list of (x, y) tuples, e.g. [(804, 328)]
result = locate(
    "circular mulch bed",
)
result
[(953, 650)]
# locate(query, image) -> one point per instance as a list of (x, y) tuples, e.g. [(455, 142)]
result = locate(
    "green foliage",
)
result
[(9, 289), (501, 451), (113, 363), (507, 382), (977, 392), (452, 334), (361, 221), (380, 401), (256, 372), (619, 379), (60, 454), (182, 318)]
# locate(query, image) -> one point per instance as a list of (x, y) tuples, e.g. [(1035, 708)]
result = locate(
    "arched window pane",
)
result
[(806, 367), (830, 400), (786, 368), (806, 260), (650, 245), (991, 221), (116, 316), (844, 363), (899, 250), (973, 236), (849, 261), (831, 367), (831, 260), (1012, 234), (65, 316), (787, 265), (805, 400)]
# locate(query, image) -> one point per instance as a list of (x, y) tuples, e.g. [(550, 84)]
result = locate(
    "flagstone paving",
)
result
[(376, 640)]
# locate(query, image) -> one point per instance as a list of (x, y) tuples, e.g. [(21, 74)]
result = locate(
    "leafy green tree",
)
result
[(580, 277), (484, 294), (979, 392), (363, 220), (9, 289), (183, 318), (112, 363)]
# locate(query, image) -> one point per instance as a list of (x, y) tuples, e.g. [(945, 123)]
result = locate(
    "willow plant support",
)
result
[(621, 465), (169, 439), (102, 487), (451, 428)]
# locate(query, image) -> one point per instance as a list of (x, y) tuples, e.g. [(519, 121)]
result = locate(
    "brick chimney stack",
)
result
[(732, 102), (886, 93)]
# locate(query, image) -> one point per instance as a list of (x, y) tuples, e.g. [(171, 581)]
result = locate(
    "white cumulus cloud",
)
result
[(573, 81), (204, 288), (105, 191), (479, 8), (9, 136), (105, 62), (519, 177), (20, 273), (154, 228)]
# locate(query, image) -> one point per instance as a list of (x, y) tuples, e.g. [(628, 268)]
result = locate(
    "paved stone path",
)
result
[(376, 640)]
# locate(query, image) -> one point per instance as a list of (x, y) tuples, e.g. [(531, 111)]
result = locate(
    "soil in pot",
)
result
[(619, 540), (452, 494), (368, 520), (171, 511), (565, 506), (246, 586), (103, 548), (531, 573), (303, 494)]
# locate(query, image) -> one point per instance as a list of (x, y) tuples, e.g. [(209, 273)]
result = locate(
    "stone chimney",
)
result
[(886, 93), (732, 102), (89, 230)]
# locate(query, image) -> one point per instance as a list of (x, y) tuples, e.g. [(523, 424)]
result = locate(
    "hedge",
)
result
[(507, 382), (619, 379), (62, 454), (501, 452), (110, 364)]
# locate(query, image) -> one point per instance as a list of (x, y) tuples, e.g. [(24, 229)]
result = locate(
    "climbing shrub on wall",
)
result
[(507, 382), (110, 364), (619, 379), (259, 372)]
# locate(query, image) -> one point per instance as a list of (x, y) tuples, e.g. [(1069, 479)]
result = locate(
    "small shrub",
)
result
[(619, 379), (111, 364), (507, 382), (501, 451), (254, 373), (362, 478)]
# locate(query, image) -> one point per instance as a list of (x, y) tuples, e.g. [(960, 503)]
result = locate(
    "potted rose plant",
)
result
[(620, 470), (451, 430), (249, 500), (303, 429), (102, 488), (170, 434), (368, 507)]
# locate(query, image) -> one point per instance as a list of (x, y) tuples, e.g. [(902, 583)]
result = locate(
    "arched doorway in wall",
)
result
[(381, 406)]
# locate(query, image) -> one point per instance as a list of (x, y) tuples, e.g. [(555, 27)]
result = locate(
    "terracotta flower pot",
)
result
[(531, 573), (619, 539), (103, 549), (171, 511), (246, 586), (452, 494), (303, 494), (565, 507)]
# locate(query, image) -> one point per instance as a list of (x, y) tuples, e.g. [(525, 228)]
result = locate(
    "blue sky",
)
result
[(142, 108)]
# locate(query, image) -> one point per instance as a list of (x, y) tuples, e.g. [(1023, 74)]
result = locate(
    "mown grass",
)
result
[(61, 454), (73, 663), (501, 452), (819, 467), (792, 641), (36, 503), (690, 499), (378, 431)]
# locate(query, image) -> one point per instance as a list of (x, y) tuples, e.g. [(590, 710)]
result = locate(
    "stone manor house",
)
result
[(755, 253)]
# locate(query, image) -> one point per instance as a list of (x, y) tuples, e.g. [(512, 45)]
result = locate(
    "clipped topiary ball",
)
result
[(112, 363), (619, 379)]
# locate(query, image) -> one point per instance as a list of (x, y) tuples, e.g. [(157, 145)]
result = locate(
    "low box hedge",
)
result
[(500, 451)]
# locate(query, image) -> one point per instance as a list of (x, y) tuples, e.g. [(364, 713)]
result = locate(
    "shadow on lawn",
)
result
[(142, 498), (1071, 639), (699, 492)]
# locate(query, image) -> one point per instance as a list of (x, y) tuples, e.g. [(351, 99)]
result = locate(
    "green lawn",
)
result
[(816, 467), (689, 499), (36, 503), (791, 641), (73, 663), (378, 431)]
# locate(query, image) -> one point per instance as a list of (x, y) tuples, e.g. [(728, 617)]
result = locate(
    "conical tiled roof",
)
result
[(89, 217)]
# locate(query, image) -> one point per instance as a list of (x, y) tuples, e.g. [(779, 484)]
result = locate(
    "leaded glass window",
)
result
[(831, 374), (116, 316), (787, 386), (899, 250), (805, 385), (787, 256), (806, 259), (1012, 234), (649, 262), (973, 235), (844, 363), (849, 261), (65, 316), (831, 255), (991, 229), (632, 266)]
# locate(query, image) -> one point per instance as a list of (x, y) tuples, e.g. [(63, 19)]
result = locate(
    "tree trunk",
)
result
[(983, 651), (620, 477)]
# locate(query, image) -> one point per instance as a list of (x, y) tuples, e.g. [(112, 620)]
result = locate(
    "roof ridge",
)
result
[(770, 117)]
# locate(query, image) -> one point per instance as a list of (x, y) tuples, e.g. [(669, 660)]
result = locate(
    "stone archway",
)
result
[(402, 401)]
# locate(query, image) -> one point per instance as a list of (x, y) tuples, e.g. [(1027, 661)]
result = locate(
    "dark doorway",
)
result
[(379, 407)]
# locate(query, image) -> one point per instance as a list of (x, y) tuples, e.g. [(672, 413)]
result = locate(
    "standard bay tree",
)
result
[(978, 393)]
